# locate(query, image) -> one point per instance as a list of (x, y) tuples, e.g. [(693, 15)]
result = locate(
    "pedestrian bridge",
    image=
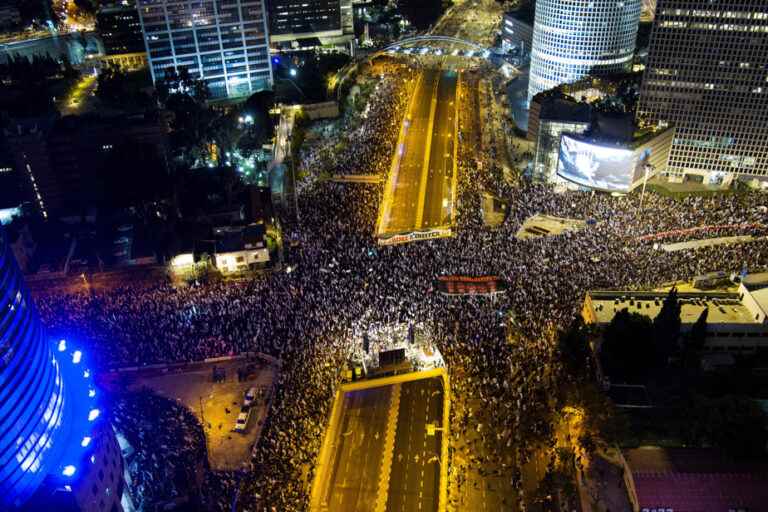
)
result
[(437, 45)]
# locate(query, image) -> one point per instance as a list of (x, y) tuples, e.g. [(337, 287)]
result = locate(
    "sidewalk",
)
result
[(602, 488)]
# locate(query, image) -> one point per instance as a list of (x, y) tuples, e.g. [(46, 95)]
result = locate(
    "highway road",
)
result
[(358, 451), (422, 171), (437, 199), (415, 476)]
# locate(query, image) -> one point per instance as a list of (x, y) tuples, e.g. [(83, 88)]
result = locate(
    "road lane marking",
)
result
[(427, 155)]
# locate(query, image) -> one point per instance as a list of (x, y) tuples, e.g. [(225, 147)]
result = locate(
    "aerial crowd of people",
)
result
[(342, 280)]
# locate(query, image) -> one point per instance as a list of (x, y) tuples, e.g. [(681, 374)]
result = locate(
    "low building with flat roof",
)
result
[(733, 322), (700, 479)]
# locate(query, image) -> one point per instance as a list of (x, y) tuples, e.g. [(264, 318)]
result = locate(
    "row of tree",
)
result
[(635, 346)]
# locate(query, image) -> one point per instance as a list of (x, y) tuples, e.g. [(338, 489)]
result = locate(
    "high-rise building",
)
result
[(517, 29), (62, 164), (57, 452), (577, 38), (222, 42), (707, 74), (120, 31), (327, 21)]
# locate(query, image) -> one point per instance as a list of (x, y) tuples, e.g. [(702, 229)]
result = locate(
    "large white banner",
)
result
[(415, 236)]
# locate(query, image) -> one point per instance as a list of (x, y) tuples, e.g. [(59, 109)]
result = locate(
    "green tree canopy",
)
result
[(736, 424), (666, 328), (574, 351), (627, 351)]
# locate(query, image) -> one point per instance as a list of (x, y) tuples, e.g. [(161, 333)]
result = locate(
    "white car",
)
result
[(250, 396)]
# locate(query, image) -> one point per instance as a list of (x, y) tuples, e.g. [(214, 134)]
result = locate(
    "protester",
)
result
[(344, 282)]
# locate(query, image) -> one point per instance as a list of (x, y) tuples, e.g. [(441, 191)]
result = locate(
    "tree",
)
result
[(693, 343), (257, 106), (666, 327), (604, 423), (627, 350), (698, 335), (573, 347), (421, 13), (181, 82), (734, 423), (190, 128), (134, 173), (109, 83)]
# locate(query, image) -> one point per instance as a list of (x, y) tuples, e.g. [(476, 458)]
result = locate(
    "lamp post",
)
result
[(646, 169)]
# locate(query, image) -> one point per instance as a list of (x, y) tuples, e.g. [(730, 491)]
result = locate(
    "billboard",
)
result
[(612, 169)]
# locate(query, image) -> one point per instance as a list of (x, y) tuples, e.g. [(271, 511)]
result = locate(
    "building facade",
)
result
[(706, 74), (62, 162), (223, 42), (736, 322), (578, 38), (557, 115), (120, 29), (330, 22), (516, 31), (54, 441)]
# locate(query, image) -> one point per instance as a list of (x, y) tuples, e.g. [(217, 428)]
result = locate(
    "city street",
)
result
[(354, 471), (419, 188), (415, 475), (378, 453)]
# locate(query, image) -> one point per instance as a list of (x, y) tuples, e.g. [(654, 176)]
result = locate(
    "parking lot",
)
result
[(217, 405)]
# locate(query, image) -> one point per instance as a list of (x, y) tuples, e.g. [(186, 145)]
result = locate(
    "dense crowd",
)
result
[(165, 460), (343, 281), (363, 144)]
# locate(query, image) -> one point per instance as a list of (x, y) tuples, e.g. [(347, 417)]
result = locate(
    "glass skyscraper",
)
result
[(53, 439), (575, 38), (223, 42), (707, 74)]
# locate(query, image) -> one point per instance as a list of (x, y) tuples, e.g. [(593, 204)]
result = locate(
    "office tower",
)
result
[(576, 38), (222, 42), (706, 75), (517, 29), (327, 21), (120, 30), (56, 450)]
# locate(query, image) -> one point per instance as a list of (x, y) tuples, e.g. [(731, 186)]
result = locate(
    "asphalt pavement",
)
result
[(437, 197), (358, 451), (415, 476), (421, 178)]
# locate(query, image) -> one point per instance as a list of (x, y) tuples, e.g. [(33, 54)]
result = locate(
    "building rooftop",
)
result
[(755, 281), (696, 480), (565, 109), (723, 308)]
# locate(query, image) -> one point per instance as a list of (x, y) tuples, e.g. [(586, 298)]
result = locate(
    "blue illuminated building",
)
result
[(54, 440)]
